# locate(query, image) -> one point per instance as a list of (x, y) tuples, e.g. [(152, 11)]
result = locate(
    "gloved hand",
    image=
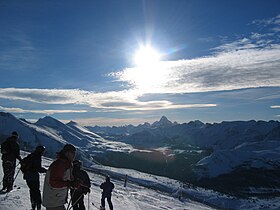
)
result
[(85, 190), (72, 184)]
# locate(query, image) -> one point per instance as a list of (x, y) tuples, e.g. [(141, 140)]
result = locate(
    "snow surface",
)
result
[(143, 191), (253, 154), (131, 197)]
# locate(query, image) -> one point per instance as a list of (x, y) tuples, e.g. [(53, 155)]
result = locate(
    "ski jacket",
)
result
[(35, 168), (10, 150), (55, 185), (107, 188), (82, 178)]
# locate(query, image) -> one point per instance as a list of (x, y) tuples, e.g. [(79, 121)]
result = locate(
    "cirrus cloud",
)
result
[(108, 101), (48, 112)]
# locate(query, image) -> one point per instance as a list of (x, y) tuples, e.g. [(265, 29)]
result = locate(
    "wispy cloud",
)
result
[(48, 112), (230, 69), (108, 101), (273, 23), (247, 62)]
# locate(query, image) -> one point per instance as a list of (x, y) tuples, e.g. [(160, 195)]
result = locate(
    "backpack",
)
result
[(27, 163), (5, 148)]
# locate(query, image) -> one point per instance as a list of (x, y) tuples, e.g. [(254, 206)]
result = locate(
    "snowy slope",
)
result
[(133, 197), (54, 134), (138, 197)]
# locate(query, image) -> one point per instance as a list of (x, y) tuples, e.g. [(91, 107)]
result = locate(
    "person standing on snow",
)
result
[(107, 188), (77, 194), (59, 179), (33, 166), (10, 152)]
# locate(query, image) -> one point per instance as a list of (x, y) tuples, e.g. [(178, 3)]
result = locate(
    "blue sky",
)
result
[(74, 60)]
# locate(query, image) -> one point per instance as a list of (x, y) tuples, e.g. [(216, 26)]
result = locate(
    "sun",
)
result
[(149, 74), (146, 56)]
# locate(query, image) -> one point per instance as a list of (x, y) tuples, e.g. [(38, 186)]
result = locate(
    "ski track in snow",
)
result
[(132, 197)]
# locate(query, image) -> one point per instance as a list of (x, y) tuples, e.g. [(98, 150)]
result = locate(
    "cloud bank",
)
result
[(109, 101), (48, 112)]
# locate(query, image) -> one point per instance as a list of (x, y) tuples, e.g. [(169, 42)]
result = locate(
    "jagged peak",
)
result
[(163, 119), (163, 122)]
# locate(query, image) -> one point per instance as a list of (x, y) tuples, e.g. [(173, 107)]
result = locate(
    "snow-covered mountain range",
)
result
[(195, 152)]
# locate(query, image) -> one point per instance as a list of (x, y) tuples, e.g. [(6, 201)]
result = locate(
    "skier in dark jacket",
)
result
[(107, 188), (77, 194), (10, 152), (31, 175)]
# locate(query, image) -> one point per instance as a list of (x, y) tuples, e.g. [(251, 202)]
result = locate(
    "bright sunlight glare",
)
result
[(146, 56), (149, 75)]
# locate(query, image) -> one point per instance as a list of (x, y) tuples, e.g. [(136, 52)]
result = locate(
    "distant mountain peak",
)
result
[(47, 120), (72, 123), (163, 119), (162, 122)]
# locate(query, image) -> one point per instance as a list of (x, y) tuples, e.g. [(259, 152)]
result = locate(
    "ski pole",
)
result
[(75, 202), (88, 202), (16, 174), (71, 199)]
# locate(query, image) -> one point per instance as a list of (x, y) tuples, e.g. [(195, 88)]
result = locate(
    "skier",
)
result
[(77, 194), (33, 165), (59, 179), (107, 188), (10, 152)]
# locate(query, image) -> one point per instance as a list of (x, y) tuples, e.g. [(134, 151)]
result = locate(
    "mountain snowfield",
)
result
[(264, 154), (143, 191), (234, 146)]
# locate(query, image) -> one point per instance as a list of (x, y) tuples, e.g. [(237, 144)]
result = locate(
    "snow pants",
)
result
[(108, 200), (9, 172), (35, 194)]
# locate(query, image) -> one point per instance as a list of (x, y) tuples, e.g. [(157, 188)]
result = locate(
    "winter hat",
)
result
[(68, 148), (15, 134), (107, 178)]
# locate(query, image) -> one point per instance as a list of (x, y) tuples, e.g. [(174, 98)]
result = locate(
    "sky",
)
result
[(79, 60)]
